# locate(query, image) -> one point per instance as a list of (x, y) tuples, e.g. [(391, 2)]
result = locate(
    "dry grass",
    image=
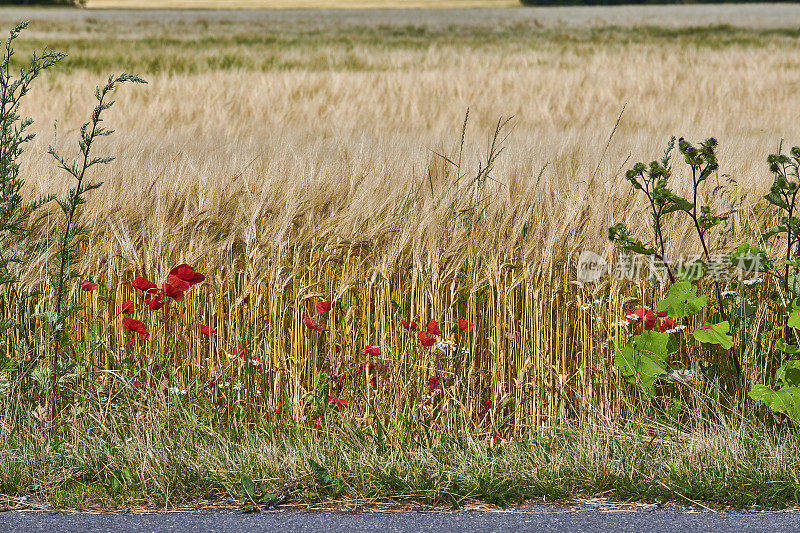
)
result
[(311, 180)]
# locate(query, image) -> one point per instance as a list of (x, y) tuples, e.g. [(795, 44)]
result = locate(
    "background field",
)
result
[(292, 156)]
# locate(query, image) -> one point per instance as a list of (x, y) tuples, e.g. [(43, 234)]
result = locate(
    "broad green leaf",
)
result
[(776, 199), (785, 400), (682, 300), (785, 347), (794, 319), (716, 334), (644, 359), (789, 373), (249, 487)]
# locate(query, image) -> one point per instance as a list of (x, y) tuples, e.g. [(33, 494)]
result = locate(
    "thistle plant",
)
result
[(15, 211), (64, 272), (652, 181)]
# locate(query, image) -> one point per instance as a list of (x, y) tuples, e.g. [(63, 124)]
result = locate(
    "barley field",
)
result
[(298, 156)]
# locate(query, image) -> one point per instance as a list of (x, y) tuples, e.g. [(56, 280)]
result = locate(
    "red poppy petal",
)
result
[(187, 274), (143, 284)]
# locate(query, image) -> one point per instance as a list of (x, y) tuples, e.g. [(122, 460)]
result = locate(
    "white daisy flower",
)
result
[(752, 281)]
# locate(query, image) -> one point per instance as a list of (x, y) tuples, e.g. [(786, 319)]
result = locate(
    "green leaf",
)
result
[(785, 400), (644, 359), (638, 247), (749, 258), (776, 199), (679, 204), (789, 373), (682, 300), (269, 500), (320, 472), (794, 319), (716, 334), (249, 487), (776, 229), (785, 347)]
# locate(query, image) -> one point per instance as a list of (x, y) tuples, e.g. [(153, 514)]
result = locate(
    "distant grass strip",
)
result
[(366, 48)]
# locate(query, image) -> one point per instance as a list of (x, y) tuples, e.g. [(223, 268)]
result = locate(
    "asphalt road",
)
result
[(539, 519)]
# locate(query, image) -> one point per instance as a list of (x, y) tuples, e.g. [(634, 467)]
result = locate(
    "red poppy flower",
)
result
[(318, 423), (313, 324), (667, 324), (155, 301), (371, 350), (337, 402), (636, 315), (136, 326), (173, 292), (661, 314), (410, 326), (337, 347), (487, 404), (433, 383), (144, 284), (433, 328), (324, 307), (465, 326), (139, 337), (221, 400), (649, 320), (187, 274), (207, 331), (177, 283), (706, 327), (88, 286), (127, 308), (642, 315), (426, 340)]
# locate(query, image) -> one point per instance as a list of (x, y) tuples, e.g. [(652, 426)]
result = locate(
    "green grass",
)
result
[(365, 48), (129, 457)]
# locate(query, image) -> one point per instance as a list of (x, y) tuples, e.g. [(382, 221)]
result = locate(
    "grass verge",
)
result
[(124, 457)]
